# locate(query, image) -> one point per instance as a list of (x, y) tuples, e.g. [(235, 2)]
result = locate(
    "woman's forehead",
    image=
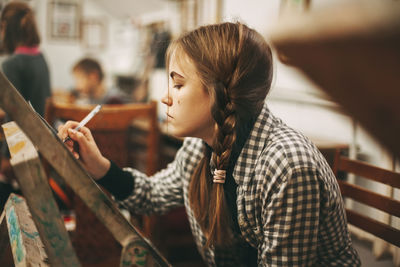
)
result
[(181, 63)]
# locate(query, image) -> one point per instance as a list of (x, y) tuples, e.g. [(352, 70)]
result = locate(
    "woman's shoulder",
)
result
[(12, 65), (191, 147), (10, 60), (290, 148), (20, 59)]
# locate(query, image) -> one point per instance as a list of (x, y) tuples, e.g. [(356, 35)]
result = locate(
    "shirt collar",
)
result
[(27, 50), (253, 147)]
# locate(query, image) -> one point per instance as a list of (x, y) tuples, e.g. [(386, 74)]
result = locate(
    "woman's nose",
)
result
[(166, 100)]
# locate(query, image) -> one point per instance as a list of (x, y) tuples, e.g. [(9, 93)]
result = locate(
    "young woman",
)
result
[(256, 191)]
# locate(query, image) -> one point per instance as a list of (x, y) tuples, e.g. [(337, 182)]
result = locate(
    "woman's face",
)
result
[(188, 103)]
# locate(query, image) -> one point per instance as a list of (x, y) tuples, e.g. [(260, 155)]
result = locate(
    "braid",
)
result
[(224, 116), (218, 212), (211, 196)]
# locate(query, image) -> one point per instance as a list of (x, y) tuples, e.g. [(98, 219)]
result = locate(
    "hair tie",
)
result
[(219, 176)]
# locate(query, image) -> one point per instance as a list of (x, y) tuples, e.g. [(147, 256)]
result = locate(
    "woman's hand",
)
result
[(88, 153)]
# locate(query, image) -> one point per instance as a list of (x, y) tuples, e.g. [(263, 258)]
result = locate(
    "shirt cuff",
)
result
[(117, 181)]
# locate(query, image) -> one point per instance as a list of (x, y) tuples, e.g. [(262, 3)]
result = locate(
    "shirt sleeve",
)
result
[(164, 190), (291, 220), (118, 182)]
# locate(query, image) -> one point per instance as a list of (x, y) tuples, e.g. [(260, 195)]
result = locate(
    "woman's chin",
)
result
[(176, 132), (171, 130)]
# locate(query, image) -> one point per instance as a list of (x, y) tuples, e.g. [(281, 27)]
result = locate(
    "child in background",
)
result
[(89, 85)]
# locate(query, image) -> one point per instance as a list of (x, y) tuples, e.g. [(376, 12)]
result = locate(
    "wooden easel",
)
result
[(42, 206), (36, 135)]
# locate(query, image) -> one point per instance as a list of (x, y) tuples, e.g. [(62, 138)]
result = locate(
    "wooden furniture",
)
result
[(49, 224), (62, 96), (352, 52), (111, 129), (368, 197), (329, 148)]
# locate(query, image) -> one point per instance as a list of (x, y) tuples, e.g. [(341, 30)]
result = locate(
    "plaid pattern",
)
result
[(289, 204)]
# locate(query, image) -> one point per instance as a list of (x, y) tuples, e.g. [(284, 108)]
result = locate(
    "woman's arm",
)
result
[(166, 189), (142, 194), (118, 182)]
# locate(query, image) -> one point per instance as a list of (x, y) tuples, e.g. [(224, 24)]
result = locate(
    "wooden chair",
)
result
[(368, 197), (112, 130)]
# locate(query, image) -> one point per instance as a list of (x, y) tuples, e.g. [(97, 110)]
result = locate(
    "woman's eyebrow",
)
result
[(174, 74)]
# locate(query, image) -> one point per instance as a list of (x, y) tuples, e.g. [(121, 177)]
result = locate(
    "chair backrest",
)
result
[(110, 128), (368, 197)]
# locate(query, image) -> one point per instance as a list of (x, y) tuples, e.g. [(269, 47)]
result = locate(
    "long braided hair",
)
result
[(234, 64)]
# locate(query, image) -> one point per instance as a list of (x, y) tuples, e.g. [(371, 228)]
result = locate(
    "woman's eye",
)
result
[(177, 86)]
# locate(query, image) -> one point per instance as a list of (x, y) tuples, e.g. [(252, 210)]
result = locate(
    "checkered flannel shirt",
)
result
[(289, 204)]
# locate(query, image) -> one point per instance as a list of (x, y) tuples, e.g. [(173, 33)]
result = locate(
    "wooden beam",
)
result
[(35, 188), (54, 151), (352, 53)]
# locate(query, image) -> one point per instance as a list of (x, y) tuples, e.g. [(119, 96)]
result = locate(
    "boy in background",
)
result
[(89, 85)]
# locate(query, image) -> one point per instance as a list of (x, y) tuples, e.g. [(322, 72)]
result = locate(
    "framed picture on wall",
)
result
[(94, 33), (64, 18)]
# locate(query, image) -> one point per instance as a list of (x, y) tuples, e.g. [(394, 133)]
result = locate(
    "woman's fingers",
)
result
[(76, 154), (83, 146), (63, 129), (87, 134)]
